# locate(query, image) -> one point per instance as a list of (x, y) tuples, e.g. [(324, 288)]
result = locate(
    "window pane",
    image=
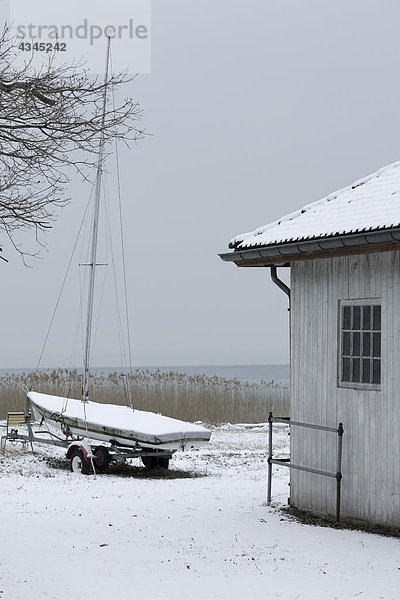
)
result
[(346, 343), (377, 318), (366, 344), (356, 344), (366, 370), (356, 317), (376, 371), (346, 317), (376, 344), (366, 322), (356, 370), (345, 369)]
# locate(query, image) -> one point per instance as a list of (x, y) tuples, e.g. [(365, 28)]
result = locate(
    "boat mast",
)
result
[(95, 229)]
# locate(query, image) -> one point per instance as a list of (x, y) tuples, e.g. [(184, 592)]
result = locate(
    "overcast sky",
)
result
[(256, 108)]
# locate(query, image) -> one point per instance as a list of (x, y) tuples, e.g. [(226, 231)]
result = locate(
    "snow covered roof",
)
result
[(370, 204)]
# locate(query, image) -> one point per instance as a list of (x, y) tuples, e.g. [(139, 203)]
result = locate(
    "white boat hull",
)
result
[(117, 424)]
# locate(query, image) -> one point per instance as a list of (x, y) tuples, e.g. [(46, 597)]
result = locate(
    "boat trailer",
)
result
[(84, 457)]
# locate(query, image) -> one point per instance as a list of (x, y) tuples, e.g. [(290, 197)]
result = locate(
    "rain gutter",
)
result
[(304, 247)]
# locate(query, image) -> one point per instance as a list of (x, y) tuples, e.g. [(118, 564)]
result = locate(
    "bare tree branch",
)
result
[(50, 126)]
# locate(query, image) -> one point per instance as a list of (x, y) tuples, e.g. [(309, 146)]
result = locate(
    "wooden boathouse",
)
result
[(344, 257)]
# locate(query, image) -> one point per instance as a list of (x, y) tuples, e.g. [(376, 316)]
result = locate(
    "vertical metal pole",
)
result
[(95, 229), (269, 489), (29, 426), (340, 431)]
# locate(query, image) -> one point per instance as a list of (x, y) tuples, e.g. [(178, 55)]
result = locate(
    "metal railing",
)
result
[(285, 462)]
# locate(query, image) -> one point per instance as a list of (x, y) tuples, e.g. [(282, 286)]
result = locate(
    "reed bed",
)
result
[(187, 397)]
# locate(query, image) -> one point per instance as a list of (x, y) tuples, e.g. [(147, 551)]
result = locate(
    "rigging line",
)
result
[(79, 318), (117, 303), (78, 328), (84, 276), (69, 383), (100, 303), (83, 280), (122, 250), (63, 285), (121, 339), (96, 328), (114, 273), (78, 331)]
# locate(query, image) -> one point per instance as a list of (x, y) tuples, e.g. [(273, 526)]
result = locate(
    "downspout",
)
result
[(285, 289), (280, 283)]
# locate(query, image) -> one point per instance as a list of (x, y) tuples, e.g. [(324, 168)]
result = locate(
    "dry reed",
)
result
[(187, 397)]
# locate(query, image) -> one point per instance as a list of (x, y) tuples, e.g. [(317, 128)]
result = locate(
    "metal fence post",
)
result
[(339, 470), (286, 462), (269, 490)]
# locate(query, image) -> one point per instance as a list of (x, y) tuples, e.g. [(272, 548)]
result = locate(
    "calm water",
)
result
[(252, 373)]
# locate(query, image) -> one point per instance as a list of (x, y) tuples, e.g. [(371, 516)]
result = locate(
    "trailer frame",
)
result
[(115, 452)]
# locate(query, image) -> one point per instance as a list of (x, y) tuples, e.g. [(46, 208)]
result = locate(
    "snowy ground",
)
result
[(203, 533)]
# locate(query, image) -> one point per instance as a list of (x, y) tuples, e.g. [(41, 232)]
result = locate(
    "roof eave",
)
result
[(324, 247)]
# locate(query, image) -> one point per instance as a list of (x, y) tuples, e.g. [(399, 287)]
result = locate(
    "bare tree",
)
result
[(50, 121)]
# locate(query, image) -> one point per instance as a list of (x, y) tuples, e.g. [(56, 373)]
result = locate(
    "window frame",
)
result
[(358, 385)]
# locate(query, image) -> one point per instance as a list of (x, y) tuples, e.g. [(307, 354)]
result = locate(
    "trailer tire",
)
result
[(79, 464), (163, 463), (155, 462), (101, 458), (150, 462)]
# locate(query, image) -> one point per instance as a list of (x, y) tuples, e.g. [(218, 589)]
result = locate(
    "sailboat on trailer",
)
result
[(117, 425)]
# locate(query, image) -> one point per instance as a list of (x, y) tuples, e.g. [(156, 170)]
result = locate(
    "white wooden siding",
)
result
[(371, 419)]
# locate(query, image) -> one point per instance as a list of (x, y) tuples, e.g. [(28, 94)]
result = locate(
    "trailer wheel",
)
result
[(101, 457), (79, 464), (153, 462), (163, 463), (150, 462)]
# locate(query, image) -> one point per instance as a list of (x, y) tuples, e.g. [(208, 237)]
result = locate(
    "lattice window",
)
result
[(360, 343)]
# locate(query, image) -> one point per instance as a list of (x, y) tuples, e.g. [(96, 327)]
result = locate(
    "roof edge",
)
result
[(303, 250)]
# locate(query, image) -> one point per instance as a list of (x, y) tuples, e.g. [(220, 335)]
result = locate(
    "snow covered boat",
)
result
[(117, 424)]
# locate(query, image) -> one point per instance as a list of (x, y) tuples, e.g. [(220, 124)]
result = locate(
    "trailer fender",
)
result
[(81, 445)]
